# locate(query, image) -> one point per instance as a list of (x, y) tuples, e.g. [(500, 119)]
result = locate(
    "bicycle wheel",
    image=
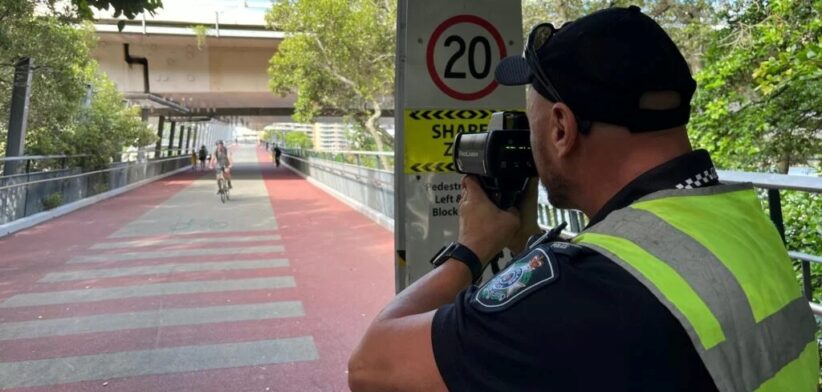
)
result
[(221, 186)]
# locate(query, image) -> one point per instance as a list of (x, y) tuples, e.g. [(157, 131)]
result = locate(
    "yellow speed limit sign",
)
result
[(429, 137)]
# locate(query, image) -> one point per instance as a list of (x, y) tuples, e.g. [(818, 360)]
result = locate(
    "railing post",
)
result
[(158, 149), (775, 210), (171, 138), (188, 139), (180, 141)]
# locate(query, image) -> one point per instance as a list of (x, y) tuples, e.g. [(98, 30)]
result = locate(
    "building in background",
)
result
[(327, 134)]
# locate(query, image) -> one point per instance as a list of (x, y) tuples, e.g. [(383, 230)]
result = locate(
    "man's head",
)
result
[(609, 98)]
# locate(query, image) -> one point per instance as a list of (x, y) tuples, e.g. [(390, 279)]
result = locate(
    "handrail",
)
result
[(40, 157), (350, 165), (90, 173), (773, 181), (149, 149), (805, 257), (384, 153), (376, 182)]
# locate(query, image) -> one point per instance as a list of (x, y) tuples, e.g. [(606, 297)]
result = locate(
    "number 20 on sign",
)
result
[(460, 54)]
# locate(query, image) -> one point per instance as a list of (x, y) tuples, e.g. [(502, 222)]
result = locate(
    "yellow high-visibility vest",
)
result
[(713, 258)]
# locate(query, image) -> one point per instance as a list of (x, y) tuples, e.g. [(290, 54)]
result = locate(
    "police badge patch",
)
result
[(536, 269)]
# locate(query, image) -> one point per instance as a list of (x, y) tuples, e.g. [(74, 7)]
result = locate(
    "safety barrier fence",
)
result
[(374, 188), (370, 187), (26, 194), (27, 164)]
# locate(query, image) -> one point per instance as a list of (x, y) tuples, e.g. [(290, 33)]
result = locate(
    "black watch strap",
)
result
[(462, 253), (467, 256)]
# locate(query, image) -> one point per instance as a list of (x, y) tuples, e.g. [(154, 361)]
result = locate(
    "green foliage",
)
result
[(339, 55), (74, 109), (360, 141), (757, 107), (298, 140), (802, 213), (129, 8), (689, 22), (270, 134), (758, 104), (52, 201), (201, 32), (99, 188)]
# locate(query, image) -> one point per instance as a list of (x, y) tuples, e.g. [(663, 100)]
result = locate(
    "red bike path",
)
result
[(59, 321)]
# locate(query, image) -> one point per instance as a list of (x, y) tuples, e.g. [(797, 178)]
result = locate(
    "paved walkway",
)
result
[(166, 289)]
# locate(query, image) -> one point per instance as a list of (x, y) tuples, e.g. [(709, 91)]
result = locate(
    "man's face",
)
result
[(543, 127)]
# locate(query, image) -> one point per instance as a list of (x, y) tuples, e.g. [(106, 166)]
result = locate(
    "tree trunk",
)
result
[(784, 164), (371, 126)]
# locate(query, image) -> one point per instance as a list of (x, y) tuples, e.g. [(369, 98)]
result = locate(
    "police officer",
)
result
[(678, 283)]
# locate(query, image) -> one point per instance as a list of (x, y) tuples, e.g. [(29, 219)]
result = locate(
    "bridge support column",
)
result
[(188, 140), (171, 138), (195, 142), (180, 140), (18, 113), (158, 149)]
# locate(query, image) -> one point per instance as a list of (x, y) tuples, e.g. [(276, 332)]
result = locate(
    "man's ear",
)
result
[(565, 133)]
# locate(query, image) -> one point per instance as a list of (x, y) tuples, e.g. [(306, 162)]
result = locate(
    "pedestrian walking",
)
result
[(277, 154), (203, 154)]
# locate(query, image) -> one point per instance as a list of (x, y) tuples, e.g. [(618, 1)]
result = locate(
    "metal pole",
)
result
[(159, 147), (400, 260), (18, 113), (171, 137)]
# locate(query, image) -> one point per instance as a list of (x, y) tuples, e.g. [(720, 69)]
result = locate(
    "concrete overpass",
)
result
[(222, 76)]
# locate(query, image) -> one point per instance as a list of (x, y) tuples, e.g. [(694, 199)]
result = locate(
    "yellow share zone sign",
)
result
[(430, 134)]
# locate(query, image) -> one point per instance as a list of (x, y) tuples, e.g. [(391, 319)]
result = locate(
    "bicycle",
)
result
[(222, 185)]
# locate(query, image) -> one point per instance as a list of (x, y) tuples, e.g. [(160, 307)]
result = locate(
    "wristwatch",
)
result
[(461, 253)]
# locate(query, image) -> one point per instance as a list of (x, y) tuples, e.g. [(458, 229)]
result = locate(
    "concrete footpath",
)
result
[(164, 288)]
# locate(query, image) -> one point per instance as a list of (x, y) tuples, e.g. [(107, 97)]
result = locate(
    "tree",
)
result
[(129, 8), (72, 103), (688, 22), (296, 139), (758, 105), (337, 54), (75, 10)]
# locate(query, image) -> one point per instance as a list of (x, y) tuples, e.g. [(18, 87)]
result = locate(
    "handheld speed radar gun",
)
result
[(501, 157)]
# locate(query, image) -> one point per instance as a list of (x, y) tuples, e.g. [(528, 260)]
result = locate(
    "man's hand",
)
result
[(484, 228)]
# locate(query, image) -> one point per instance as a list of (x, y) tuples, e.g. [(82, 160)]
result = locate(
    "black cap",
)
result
[(607, 65)]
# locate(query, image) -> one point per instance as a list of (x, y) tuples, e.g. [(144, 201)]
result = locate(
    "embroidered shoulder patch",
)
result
[(535, 269)]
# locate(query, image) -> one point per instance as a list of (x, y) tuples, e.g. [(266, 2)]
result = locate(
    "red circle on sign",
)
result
[(432, 43)]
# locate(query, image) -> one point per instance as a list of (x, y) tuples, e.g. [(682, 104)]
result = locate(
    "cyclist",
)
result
[(221, 158)]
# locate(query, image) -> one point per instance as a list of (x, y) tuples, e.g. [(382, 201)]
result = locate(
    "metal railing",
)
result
[(370, 187), (27, 194), (27, 164), (338, 167)]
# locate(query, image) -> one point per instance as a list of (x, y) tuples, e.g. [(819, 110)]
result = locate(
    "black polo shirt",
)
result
[(594, 328)]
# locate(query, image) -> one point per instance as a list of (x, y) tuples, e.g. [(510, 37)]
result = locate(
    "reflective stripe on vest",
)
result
[(713, 258)]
